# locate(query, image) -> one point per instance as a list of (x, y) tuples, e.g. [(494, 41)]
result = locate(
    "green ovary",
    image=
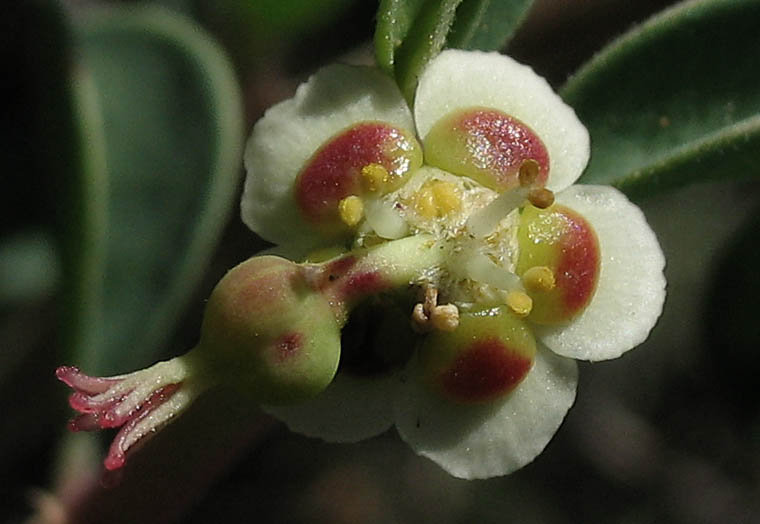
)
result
[(267, 333)]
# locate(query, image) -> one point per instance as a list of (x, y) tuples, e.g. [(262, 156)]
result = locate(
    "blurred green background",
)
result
[(123, 170)]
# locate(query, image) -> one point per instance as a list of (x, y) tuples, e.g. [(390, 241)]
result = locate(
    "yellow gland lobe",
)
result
[(519, 303), (351, 210), (437, 198), (375, 177), (539, 278)]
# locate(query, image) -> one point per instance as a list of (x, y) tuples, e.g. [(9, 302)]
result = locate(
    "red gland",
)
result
[(486, 145), (335, 171), (484, 359), (561, 240), (485, 370)]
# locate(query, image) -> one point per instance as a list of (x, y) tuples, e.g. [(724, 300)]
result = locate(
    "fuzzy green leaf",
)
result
[(162, 110), (394, 18), (676, 100), (409, 34), (486, 25)]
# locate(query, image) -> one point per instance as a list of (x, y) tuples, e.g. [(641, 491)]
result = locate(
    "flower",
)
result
[(468, 168), (449, 273)]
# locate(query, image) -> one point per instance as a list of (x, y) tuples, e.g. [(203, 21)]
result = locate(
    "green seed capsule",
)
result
[(267, 332)]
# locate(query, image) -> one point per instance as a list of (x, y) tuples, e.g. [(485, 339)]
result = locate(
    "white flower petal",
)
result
[(332, 100), (481, 441), (460, 79), (631, 287), (351, 409)]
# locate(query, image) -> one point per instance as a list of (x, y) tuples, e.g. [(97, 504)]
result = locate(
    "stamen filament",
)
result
[(483, 222), (385, 220), (481, 268)]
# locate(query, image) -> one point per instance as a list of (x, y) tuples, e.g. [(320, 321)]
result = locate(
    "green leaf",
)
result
[(162, 119), (487, 25), (676, 100), (424, 40), (277, 18), (28, 267), (394, 18), (410, 33)]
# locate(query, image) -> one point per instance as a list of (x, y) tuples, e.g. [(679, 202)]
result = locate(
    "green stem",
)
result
[(397, 265)]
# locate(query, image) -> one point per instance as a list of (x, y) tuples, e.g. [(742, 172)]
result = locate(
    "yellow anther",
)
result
[(437, 198), (445, 317), (520, 303), (351, 210), (539, 278), (527, 174), (375, 176), (541, 197)]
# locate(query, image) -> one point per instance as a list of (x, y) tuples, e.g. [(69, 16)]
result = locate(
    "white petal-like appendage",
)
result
[(461, 79), (349, 410), (631, 288), (333, 99), (482, 441)]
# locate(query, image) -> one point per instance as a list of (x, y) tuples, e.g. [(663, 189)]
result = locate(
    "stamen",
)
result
[(520, 303), (419, 317), (484, 221), (528, 172), (480, 268), (541, 197), (351, 210), (384, 218), (431, 298), (539, 278), (430, 315), (375, 176), (445, 317)]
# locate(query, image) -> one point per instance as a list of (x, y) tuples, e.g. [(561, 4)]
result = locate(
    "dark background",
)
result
[(670, 432)]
